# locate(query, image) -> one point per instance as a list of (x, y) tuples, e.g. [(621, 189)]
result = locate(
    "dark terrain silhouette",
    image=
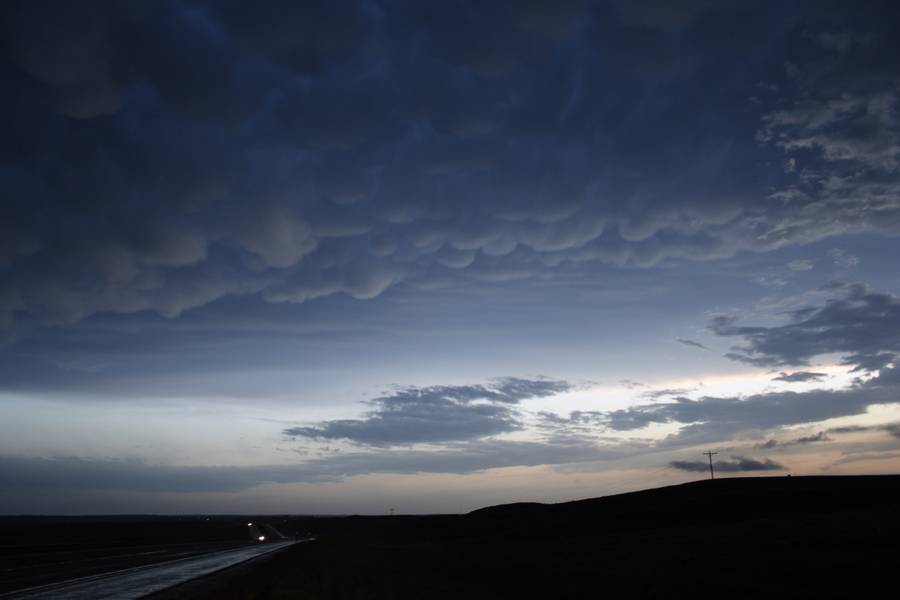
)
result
[(766, 537)]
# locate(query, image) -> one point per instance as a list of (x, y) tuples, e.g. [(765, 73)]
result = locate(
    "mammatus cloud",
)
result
[(859, 323), (437, 413), (329, 153), (289, 165), (737, 464), (800, 376)]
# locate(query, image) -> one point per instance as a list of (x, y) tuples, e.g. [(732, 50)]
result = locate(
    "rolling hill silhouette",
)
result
[(765, 537)]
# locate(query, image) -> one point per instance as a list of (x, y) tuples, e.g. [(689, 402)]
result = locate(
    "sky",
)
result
[(332, 257)]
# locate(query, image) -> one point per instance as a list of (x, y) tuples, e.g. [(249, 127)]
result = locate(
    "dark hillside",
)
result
[(729, 538), (720, 500)]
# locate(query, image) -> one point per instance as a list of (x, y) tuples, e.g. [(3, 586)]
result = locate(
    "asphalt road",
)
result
[(139, 581), (24, 567)]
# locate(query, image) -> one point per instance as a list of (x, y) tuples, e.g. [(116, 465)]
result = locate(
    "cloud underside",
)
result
[(290, 164), (737, 464)]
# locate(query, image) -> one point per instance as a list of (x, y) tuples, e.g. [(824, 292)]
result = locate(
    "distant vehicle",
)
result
[(255, 531)]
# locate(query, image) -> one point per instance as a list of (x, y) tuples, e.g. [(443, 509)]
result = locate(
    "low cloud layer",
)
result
[(718, 418), (829, 435), (437, 414), (822, 436), (892, 429), (62, 474), (859, 323), (800, 377), (737, 464)]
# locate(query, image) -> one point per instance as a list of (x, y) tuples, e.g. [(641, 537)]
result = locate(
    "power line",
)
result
[(712, 474)]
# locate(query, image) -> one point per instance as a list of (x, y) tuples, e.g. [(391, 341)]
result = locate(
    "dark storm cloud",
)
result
[(800, 376), (158, 156), (437, 413), (659, 14), (861, 324), (737, 464)]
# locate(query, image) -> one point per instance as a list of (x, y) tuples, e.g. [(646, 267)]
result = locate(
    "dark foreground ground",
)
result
[(741, 537)]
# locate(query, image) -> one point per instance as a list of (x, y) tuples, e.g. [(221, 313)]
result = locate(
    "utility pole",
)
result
[(712, 475)]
